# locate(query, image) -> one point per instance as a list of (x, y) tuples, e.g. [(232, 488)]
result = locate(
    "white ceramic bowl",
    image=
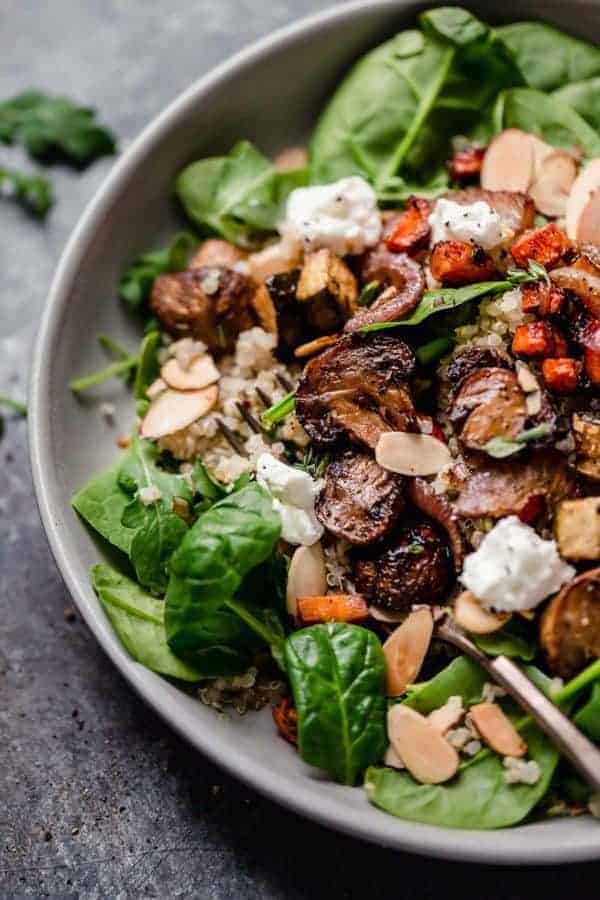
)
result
[(269, 93)]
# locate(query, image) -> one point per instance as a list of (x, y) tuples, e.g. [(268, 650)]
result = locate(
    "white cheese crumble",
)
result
[(294, 493), (520, 771), (149, 495), (342, 217), (514, 569), (476, 222)]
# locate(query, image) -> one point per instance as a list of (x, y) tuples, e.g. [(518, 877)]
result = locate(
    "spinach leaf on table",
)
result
[(238, 196), (157, 530), (549, 58), (137, 280), (582, 96), (54, 126), (209, 618), (336, 673), (138, 620), (33, 192)]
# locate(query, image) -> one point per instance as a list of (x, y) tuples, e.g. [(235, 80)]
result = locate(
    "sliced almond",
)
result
[(526, 378), (470, 615), (312, 347), (448, 715), (508, 162), (307, 576), (553, 182), (173, 410), (279, 257), (588, 230), (586, 184), (215, 252), (497, 730), (291, 158), (392, 759), (199, 374), (541, 150), (424, 751), (263, 306), (405, 650), (412, 454)]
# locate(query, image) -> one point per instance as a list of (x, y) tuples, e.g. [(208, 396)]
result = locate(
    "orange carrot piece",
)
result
[(546, 246), (411, 230), (286, 720), (465, 165), (561, 375), (460, 262), (332, 608)]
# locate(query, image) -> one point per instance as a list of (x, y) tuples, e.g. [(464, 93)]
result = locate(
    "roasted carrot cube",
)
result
[(546, 246), (286, 720), (561, 375), (539, 340), (466, 165), (542, 298), (591, 364), (332, 608), (411, 229), (460, 262)]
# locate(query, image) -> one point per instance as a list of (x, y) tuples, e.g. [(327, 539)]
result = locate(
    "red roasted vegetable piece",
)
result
[(591, 364), (561, 375), (460, 262), (465, 165), (546, 246), (286, 720), (542, 298), (539, 340), (411, 231)]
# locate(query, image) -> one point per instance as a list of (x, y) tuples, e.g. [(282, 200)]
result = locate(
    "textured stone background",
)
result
[(97, 797)]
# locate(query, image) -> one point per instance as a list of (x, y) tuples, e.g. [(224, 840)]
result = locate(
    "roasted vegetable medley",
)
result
[(368, 397)]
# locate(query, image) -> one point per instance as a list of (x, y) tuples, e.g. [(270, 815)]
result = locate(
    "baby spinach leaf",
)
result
[(237, 195), (477, 797), (545, 116), (33, 192), (148, 368), (462, 677), (443, 300), (102, 503), (157, 529), (137, 618), (206, 617), (515, 640), (588, 717), (582, 96), (137, 280), (549, 58), (54, 126), (336, 672)]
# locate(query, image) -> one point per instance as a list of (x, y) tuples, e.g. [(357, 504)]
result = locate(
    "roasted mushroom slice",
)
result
[(516, 211), (512, 487), (360, 501), (359, 389), (211, 304), (329, 290), (437, 507), (412, 566), (289, 314), (472, 358), (403, 284), (570, 626)]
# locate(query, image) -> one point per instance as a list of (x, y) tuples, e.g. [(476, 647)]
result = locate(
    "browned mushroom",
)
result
[(584, 284), (437, 507), (403, 284), (490, 403), (570, 626)]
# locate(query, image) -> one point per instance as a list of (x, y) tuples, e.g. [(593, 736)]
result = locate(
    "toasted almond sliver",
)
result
[(508, 162), (274, 258), (553, 182), (173, 410), (448, 715), (588, 229), (586, 184), (392, 759), (200, 373), (412, 454), (526, 378), (541, 150), (307, 576), (291, 158), (497, 730), (405, 650), (312, 347), (426, 754), (470, 615)]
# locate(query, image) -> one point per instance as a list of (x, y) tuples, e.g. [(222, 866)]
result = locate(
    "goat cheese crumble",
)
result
[(476, 222), (513, 568), (342, 217), (294, 493)]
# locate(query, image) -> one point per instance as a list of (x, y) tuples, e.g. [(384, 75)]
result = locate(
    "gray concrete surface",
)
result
[(97, 797)]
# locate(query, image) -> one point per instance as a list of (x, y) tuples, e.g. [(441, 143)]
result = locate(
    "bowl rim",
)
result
[(467, 846)]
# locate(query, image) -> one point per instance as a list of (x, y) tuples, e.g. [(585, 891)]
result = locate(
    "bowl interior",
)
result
[(271, 95)]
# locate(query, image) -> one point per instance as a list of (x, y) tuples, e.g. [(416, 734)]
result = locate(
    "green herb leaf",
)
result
[(136, 283), (429, 353), (32, 192), (279, 410), (582, 96), (239, 196), (138, 620), (336, 672), (54, 127), (205, 620), (534, 272), (122, 367), (443, 300), (501, 447)]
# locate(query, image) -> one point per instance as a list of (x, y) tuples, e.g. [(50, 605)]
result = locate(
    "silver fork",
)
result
[(569, 740)]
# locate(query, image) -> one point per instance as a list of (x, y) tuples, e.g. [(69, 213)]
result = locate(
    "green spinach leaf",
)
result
[(237, 195), (206, 618), (462, 677), (158, 530), (549, 58), (138, 619), (102, 502), (32, 192), (137, 280), (588, 717), (516, 640), (54, 126), (582, 96), (545, 116), (337, 672), (148, 368)]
